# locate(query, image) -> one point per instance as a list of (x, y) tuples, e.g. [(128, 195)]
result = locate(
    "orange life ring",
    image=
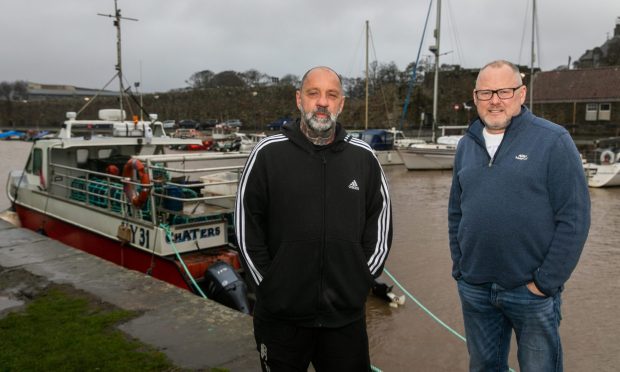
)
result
[(134, 170)]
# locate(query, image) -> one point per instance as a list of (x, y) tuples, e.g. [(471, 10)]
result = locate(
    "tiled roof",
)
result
[(597, 84)]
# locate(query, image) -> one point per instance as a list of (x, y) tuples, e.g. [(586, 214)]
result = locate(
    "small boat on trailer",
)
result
[(107, 187)]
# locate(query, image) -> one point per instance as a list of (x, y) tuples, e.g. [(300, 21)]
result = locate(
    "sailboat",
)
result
[(439, 153), (382, 141)]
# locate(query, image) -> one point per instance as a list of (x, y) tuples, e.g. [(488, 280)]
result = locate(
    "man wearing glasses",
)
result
[(518, 217)]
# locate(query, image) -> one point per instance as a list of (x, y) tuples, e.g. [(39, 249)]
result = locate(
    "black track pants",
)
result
[(283, 347)]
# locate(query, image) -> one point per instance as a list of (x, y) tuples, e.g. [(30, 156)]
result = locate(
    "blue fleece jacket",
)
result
[(525, 214)]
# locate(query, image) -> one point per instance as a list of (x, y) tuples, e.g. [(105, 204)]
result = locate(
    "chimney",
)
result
[(617, 29)]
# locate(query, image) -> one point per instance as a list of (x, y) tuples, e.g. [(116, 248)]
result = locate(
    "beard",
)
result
[(319, 124), (497, 125)]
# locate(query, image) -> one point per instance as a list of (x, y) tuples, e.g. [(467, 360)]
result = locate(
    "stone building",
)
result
[(585, 101), (608, 54)]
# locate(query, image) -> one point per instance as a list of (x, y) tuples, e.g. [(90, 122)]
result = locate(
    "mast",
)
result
[(119, 68), (366, 111), (533, 57), (435, 50)]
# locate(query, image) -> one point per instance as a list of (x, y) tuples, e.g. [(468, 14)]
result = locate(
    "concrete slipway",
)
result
[(194, 333)]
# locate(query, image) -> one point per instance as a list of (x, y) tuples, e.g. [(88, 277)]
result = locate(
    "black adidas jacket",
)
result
[(313, 226)]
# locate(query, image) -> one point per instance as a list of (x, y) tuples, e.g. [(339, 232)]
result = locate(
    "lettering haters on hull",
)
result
[(194, 234)]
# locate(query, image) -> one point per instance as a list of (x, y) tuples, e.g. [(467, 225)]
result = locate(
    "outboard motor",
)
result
[(225, 286)]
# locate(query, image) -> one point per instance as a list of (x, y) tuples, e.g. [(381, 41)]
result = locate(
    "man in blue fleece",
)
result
[(519, 215)]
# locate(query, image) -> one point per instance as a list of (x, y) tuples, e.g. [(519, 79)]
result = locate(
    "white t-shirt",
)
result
[(492, 141)]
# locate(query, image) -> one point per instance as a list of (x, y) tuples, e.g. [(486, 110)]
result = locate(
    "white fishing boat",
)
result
[(107, 187)]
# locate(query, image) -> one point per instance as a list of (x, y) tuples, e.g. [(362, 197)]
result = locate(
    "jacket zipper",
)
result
[(492, 160), (483, 145), (322, 253)]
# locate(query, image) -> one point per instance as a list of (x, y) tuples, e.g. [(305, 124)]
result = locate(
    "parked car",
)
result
[(169, 124), (277, 124), (209, 123), (188, 124), (233, 123)]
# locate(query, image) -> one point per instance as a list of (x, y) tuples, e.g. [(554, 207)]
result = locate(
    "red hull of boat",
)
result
[(100, 246)]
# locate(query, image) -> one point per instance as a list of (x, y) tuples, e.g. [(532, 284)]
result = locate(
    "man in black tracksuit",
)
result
[(313, 222)]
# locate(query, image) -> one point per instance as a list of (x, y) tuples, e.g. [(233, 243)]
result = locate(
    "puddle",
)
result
[(7, 303)]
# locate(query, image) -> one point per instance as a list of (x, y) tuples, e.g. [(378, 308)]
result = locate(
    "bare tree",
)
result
[(15, 91), (252, 77), (227, 79), (201, 79), (290, 79)]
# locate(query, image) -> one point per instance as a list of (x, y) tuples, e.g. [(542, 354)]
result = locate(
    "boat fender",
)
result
[(134, 171), (607, 157)]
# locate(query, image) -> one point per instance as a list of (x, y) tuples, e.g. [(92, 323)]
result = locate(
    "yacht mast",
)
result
[(435, 50), (117, 23), (533, 57), (366, 111)]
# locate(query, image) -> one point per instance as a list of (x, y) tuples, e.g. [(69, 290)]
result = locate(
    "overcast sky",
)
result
[(65, 42)]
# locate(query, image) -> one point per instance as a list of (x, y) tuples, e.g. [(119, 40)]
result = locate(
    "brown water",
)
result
[(406, 338)]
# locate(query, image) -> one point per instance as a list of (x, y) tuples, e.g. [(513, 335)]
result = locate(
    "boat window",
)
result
[(36, 163), (104, 153), (82, 156)]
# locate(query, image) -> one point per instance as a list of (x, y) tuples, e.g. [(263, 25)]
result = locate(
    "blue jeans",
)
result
[(491, 312)]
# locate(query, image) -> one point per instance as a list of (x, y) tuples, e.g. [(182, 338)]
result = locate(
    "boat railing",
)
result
[(460, 129), (178, 193), (90, 188), (194, 187), (601, 156)]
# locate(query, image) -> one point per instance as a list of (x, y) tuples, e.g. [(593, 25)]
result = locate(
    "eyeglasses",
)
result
[(504, 93)]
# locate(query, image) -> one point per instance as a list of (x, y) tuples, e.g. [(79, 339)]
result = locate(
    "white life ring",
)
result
[(607, 157)]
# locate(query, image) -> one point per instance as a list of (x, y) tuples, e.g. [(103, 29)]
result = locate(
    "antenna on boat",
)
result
[(366, 105), (435, 50), (119, 69), (533, 58)]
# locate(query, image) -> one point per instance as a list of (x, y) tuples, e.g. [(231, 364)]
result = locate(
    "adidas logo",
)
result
[(521, 157), (353, 186)]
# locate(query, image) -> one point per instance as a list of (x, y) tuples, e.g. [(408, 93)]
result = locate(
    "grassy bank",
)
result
[(62, 329)]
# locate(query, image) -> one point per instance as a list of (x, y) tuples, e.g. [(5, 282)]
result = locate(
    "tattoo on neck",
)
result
[(318, 138)]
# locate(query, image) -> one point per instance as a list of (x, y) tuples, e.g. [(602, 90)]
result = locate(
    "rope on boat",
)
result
[(176, 252), (427, 311)]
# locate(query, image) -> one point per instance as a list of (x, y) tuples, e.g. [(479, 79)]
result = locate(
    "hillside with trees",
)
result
[(257, 99)]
